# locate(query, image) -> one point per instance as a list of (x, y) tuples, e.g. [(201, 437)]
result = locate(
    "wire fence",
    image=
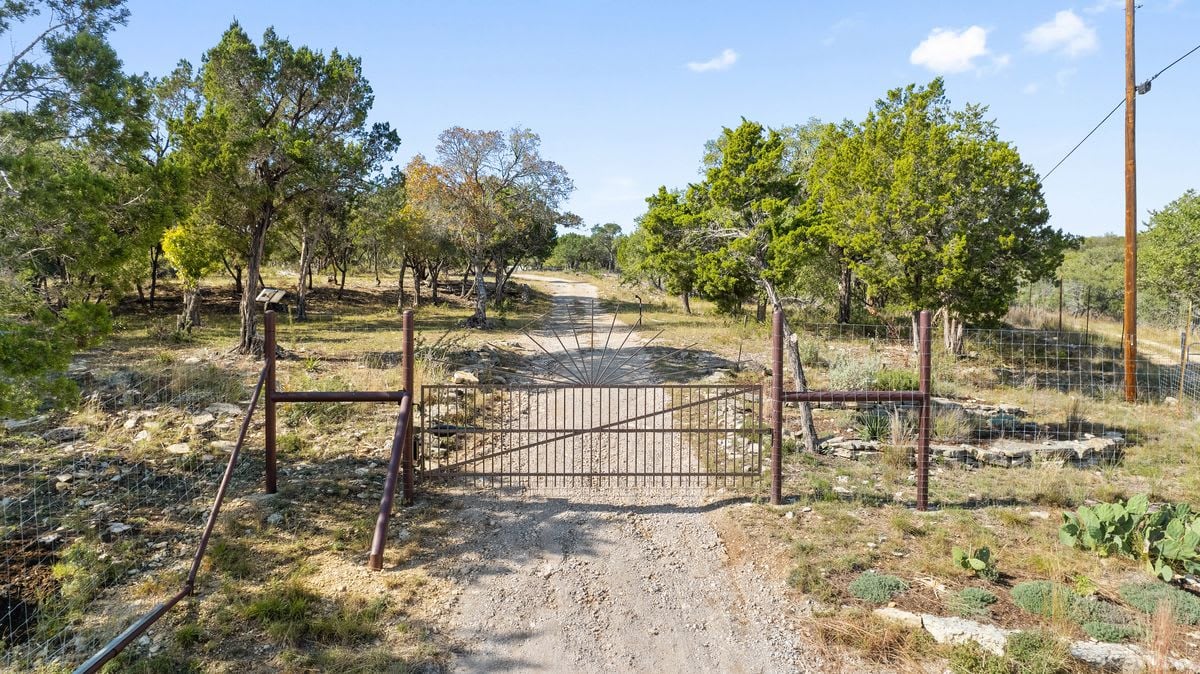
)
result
[(102, 509)]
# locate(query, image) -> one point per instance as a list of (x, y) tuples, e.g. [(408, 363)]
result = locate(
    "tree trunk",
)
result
[(760, 311), (248, 341), (791, 348), (190, 318), (235, 272), (434, 270), (302, 288), (501, 282), (464, 289), (687, 302), (342, 283), (479, 318), (400, 298), (141, 295), (418, 270), (845, 285), (952, 332), (155, 260)]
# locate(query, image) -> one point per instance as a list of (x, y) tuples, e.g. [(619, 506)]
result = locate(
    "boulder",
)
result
[(956, 631), (464, 377), (223, 409), (179, 448), (64, 434)]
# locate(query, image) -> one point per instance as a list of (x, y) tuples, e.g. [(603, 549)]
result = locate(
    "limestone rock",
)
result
[(465, 377), (64, 434), (961, 631), (899, 616)]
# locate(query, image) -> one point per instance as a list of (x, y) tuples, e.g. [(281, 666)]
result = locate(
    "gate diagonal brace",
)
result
[(613, 424)]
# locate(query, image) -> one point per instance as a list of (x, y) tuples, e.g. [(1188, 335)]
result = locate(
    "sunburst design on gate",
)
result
[(594, 353)]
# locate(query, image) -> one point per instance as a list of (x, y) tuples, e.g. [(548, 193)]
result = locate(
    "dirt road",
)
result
[(581, 581)]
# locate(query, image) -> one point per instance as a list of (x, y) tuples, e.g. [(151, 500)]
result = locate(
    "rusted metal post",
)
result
[(777, 408), (269, 422), (400, 440), (409, 372), (1130, 322), (925, 375)]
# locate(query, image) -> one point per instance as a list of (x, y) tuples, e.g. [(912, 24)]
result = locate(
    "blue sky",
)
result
[(624, 94)]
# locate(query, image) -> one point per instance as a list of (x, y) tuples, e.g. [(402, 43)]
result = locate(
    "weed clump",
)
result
[(896, 380), (1146, 598), (971, 602), (877, 588), (1032, 652), (1042, 597), (1112, 633)]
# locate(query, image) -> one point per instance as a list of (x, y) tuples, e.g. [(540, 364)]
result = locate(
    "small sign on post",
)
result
[(272, 299)]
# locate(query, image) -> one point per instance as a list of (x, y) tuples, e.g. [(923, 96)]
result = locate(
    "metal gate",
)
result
[(592, 436)]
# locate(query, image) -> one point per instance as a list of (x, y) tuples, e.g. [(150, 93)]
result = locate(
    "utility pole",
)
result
[(1130, 336)]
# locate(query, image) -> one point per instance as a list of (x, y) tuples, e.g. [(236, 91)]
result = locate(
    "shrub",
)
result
[(873, 424), (971, 602), (896, 380), (1027, 653), (970, 658), (877, 588), (1042, 597), (1113, 633), (978, 561), (856, 374), (1037, 652), (1146, 597)]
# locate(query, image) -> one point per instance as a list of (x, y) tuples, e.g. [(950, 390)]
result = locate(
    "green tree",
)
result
[(72, 126), (754, 230), (1170, 250), (607, 239), (573, 250), (277, 122), (193, 249), (933, 210), (665, 225), (1093, 276)]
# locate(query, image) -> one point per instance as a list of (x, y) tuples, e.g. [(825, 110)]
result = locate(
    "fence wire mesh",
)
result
[(102, 508)]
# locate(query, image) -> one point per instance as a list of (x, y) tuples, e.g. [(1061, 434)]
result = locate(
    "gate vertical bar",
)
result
[(925, 375), (409, 439), (777, 408), (270, 421)]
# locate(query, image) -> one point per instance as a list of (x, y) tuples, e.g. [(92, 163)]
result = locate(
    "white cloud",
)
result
[(1065, 33), (1001, 61), (724, 61), (1030, 89), (949, 51)]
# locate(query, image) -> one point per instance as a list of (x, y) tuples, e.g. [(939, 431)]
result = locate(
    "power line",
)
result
[(1142, 88), (1089, 135)]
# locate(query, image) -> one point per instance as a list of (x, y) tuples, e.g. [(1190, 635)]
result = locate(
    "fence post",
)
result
[(777, 408), (409, 440), (269, 431), (926, 389)]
